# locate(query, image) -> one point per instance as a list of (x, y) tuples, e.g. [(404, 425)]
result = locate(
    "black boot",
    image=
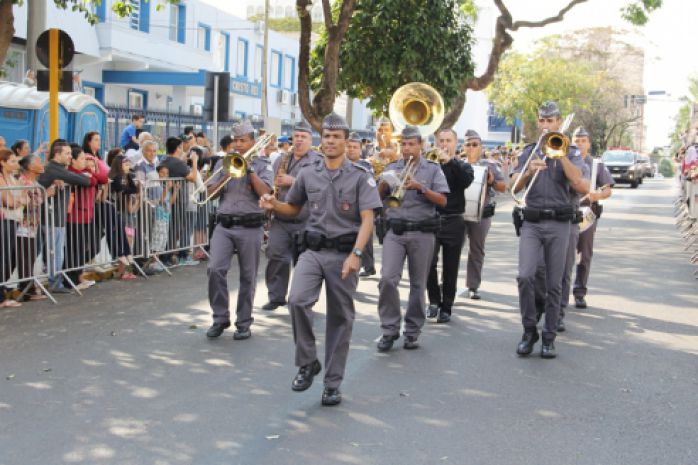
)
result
[(547, 350), (529, 339), (304, 378)]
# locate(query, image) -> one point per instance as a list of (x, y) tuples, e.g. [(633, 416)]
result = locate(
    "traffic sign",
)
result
[(66, 48)]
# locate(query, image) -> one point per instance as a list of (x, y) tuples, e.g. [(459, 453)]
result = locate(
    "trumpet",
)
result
[(394, 200), (437, 155), (234, 166)]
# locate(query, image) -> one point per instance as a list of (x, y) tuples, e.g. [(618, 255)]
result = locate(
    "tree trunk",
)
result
[(323, 101), (7, 28)]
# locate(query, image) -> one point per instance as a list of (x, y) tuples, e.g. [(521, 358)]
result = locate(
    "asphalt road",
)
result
[(125, 375)]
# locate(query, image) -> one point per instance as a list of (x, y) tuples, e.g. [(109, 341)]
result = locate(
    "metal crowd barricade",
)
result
[(177, 225), (101, 231), (24, 218)]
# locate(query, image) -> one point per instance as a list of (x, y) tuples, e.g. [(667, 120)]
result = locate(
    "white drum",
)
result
[(475, 195)]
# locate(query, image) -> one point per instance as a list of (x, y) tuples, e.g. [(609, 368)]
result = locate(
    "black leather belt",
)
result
[(289, 221), (252, 220), (535, 215)]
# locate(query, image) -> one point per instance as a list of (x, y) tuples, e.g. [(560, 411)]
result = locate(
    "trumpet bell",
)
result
[(393, 202), (417, 104), (235, 165)]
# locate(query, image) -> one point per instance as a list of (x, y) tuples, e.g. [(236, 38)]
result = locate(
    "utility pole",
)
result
[(265, 65), (36, 24)]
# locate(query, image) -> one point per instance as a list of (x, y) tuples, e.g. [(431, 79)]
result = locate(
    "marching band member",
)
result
[(546, 230), (354, 155), (411, 228), (477, 232), (339, 197), (451, 235), (238, 229)]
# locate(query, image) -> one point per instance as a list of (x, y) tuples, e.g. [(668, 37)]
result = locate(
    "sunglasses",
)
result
[(473, 144)]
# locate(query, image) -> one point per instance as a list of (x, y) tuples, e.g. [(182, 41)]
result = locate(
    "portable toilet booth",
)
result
[(85, 114), (24, 114)]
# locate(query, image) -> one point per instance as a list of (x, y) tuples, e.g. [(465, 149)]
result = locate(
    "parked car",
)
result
[(625, 167), (646, 165)]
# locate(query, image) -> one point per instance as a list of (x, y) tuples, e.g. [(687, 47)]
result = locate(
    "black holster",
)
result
[(297, 245), (518, 219), (488, 211)]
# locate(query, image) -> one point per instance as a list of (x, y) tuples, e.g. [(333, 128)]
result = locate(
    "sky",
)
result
[(666, 39)]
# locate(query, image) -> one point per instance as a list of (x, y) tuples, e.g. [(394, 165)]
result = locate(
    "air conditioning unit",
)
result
[(196, 109), (283, 97)]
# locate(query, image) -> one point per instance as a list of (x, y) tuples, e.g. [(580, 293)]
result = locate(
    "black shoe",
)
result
[(217, 329), (432, 311), (241, 335), (386, 343), (579, 302), (547, 350), (561, 326), (366, 273), (443, 317), (304, 378), (474, 294), (411, 343), (269, 306), (331, 397), (528, 340)]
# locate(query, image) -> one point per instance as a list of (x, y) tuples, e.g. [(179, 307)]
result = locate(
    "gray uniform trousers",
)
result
[(570, 260), (312, 268), (279, 258), (476, 234), (585, 247), (418, 247), (367, 261), (247, 243), (550, 239)]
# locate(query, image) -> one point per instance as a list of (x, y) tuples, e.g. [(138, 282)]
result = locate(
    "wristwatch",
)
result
[(357, 251)]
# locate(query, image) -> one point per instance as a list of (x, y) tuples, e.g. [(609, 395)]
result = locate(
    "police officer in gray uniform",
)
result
[(238, 229), (546, 226), (283, 228), (411, 229), (340, 197), (368, 263), (477, 232), (585, 244)]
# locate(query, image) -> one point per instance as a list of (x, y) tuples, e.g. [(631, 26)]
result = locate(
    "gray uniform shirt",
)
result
[(293, 168), (416, 207), (551, 190), (239, 198), (334, 199), (492, 167), (603, 176)]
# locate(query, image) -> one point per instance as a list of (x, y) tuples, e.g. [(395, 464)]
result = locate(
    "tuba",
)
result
[(417, 104)]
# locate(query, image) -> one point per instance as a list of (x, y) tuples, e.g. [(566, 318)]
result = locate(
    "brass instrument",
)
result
[(394, 200), (554, 145), (378, 166), (234, 166), (437, 155), (417, 104)]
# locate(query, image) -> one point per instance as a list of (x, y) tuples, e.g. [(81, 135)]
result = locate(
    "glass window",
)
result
[(174, 19), (258, 59), (203, 37), (275, 77), (135, 100), (289, 72), (242, 58)]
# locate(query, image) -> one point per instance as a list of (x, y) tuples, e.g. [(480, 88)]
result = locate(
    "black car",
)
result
[(625, 167)]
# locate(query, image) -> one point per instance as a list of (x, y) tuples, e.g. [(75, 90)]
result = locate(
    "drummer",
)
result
[(476, 232)]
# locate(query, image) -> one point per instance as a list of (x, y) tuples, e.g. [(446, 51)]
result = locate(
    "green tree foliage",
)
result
[(666, 168), (393, 42), (638, 12)]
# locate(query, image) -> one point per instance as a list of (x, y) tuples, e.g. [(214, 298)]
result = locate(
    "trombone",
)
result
[(554, 145), (394, 200), (234, 166)]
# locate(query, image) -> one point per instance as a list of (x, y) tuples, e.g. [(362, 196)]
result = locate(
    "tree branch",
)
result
[(304, 63), (327, 12), (544, 22)]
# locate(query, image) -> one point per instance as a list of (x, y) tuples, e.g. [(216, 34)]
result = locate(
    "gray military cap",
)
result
[(411, 132), (302, 126), (549, 110), (354, 137), (470, 134), (335, 122), (581, 132), (243, 128)]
